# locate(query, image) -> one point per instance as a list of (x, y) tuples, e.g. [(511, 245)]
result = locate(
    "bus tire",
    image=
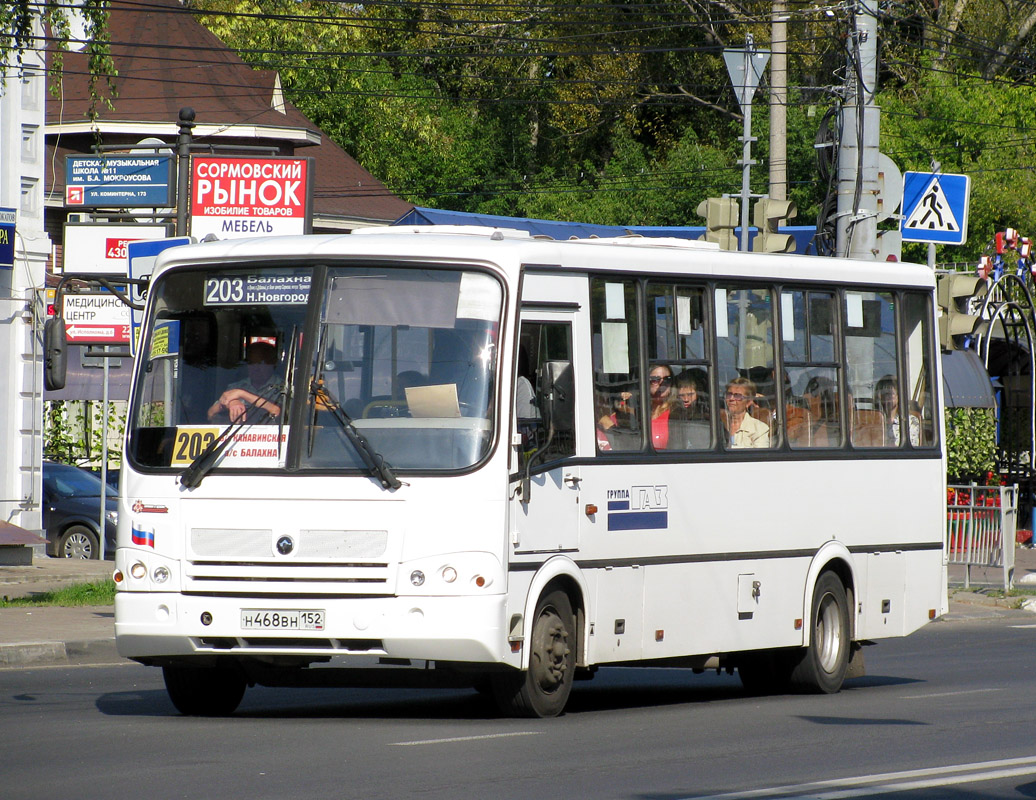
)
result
[(204, 691), (543, 689), (822, 664)]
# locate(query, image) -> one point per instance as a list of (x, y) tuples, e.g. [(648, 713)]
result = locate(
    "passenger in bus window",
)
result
[(887, 396), (821, 397), (253, 397), (743, 429), (689, 417), (616, 422), (660, 389)]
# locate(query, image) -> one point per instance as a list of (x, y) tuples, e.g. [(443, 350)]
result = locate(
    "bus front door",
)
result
[(545, 506)]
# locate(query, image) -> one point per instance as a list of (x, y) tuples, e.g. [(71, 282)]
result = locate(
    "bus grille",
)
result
[(304, 562)]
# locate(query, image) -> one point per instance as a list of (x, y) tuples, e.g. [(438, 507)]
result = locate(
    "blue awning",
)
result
[(557, 229)]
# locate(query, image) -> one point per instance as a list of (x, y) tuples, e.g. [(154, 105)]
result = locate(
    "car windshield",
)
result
[(65, 481), (403, 357)]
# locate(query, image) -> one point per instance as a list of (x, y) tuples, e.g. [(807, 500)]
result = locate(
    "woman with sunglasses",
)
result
[(744, 429), (660, 388)]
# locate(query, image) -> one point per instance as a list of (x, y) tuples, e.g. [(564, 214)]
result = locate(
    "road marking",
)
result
[(1023, 626), (465, 738), (948, 694), (890, 782)]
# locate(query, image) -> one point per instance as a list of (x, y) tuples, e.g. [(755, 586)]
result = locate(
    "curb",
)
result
[(87, 651)]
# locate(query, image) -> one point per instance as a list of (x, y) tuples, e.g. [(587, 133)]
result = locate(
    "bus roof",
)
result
[(511, 249)]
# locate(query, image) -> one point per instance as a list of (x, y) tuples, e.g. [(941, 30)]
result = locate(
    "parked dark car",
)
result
[(112, 476), (71, 512)]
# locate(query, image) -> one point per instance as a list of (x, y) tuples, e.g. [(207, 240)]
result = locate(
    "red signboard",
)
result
[(235, 197)]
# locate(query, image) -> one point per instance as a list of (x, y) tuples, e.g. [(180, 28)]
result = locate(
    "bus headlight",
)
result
[(138, 570), (417, 577), (449, 574), (160, 574)]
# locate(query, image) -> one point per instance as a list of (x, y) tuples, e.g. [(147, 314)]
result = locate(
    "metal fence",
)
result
[(981, 523)]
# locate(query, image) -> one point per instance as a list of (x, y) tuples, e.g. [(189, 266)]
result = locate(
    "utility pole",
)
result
[(183, 170), (779, 101), (857, 229)]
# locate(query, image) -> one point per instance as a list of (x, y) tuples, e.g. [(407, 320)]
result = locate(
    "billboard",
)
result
[(236, 197), (95, 318), (8, 217), (119, 181), (101, 247)]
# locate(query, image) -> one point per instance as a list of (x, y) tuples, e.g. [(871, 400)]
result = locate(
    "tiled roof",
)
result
[(167, 60)]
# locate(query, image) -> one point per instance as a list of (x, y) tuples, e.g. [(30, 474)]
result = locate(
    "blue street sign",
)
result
[(935, 208), (143, 181), (141, 257), (8, 216)]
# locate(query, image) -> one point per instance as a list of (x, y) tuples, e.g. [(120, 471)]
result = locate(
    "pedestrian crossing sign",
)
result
[(935, 207)]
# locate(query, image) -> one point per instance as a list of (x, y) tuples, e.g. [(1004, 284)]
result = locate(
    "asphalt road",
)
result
[(947, 713)]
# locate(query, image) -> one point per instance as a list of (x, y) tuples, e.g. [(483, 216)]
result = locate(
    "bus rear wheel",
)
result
[(543, 690), (823, 663), (205, 691)]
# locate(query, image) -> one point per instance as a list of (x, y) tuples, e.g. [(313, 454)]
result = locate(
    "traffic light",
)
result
[(959, 295), (767, 215), (721, 217)]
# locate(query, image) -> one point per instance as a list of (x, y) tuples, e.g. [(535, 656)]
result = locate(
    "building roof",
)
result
[(167, 60)]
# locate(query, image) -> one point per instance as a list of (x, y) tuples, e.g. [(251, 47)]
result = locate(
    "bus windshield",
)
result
[(402, 371)]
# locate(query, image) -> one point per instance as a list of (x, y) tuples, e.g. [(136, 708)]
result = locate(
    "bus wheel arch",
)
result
[(542, 689), (559, 574)]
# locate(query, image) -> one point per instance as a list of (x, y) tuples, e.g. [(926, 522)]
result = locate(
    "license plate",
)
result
[(272, 619)]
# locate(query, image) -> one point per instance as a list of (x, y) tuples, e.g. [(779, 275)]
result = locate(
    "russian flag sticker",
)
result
[(142, 537)]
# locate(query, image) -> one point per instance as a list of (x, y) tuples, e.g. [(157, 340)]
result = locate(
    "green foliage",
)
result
[(72, 431), (100, 593), (22, 21), (970, 444), (925, 123)]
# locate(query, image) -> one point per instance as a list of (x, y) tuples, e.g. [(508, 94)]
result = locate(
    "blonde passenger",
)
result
[(743, 429)]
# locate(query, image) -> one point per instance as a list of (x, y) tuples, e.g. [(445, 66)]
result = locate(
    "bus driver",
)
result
[(254, 392)]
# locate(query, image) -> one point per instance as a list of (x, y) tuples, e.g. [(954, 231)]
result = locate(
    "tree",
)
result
[(84, 24)]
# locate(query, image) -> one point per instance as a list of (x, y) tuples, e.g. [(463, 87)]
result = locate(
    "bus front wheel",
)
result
[(204, 691), (543, 689), (824, 661)]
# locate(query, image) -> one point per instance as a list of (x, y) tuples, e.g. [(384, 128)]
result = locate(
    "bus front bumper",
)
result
[(469, 629)]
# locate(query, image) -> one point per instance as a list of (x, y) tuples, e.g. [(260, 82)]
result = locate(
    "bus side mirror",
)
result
[(55, 354), (557, 387)]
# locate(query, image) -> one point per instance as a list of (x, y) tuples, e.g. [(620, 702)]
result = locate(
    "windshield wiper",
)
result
[(286, 392), (206, 460), (323, 399)]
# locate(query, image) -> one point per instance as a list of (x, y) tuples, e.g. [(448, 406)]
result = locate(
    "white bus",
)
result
[(474, 457)]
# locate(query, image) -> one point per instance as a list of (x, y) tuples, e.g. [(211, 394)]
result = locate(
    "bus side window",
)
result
[(917, 333), (871, 358), (677, 343), (744, 355), (616, 364), (812, 378)]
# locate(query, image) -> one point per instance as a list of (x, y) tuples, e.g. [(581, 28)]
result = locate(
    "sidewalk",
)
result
[(49, 634), (53, 635)]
